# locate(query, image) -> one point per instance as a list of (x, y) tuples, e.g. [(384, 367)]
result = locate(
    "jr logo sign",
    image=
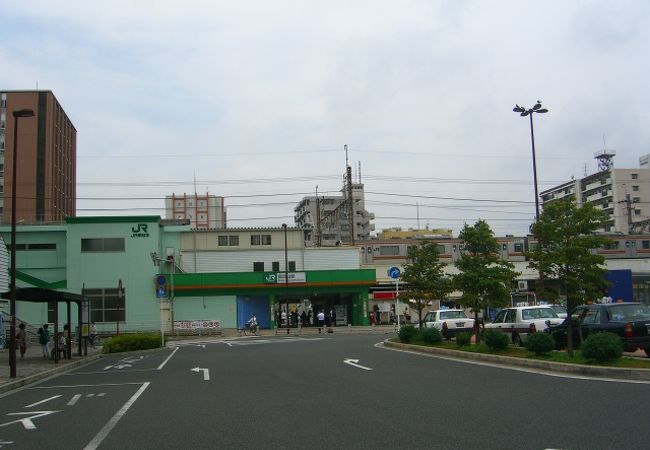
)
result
[(140, 231)]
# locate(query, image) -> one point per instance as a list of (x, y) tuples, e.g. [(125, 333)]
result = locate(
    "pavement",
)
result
[(34, 367)]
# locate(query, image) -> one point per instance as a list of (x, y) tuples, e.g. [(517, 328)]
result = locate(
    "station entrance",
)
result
[(338, 310)]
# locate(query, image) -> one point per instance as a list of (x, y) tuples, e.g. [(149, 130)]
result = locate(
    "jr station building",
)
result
[(146, 273)]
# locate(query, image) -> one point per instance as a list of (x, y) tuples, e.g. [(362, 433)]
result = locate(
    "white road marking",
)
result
[(355, 363), (97, 440), (43, 401), (168, 358), (27, 421), (206, 372), (75, 398)]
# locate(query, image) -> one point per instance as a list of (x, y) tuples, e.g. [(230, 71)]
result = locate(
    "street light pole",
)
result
[(523, 112), (286, 276), (529, 112), (12, 307)]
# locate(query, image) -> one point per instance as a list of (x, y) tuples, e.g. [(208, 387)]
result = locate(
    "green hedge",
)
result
[(495, 339), (131, 342), (540, 343), (407, 334), (602, 347), (430, 335), (464, 338)]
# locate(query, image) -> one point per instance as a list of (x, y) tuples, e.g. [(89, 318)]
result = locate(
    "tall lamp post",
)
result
[(12, 329), (523, 112), (286, 275)]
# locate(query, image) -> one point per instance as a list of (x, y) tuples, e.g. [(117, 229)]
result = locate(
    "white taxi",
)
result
[(449, 321), (521, 321)]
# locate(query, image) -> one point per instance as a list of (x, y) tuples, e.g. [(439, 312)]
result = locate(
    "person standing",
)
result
[(44, 340), (321, 320), (21, 338), (93, 333)]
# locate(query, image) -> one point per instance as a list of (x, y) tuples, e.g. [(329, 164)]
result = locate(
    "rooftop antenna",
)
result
[(605, 158), (345, 147), (195, 192), (359, 172)]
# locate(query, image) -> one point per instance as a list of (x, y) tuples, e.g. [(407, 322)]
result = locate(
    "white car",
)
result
[(521, 321), (449, 321)]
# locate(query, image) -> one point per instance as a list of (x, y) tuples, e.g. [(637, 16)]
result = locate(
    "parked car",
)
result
[(521, 321), (449, 321), (559, 310), (630, 321)]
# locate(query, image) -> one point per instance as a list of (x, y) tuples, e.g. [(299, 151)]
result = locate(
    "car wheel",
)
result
[(516, 340)]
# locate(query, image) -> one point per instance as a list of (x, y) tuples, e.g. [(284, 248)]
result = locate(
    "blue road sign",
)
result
[(394, 272)]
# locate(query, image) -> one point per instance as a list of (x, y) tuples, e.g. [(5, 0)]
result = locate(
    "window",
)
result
[(636, 199), (266, 239), (258, 267), (645, 245), (637, 212), (106, 305), (504, 247), (102, 245), (255, 239), (519, 247), (635, 188), (635, 176), (233, 241), (292, 266), (389, 250), (611, 245), (222, 241), (441, 248), (275, 266), (511, 316)]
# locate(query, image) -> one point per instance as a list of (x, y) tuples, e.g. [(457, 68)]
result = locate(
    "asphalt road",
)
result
[(293, 392)]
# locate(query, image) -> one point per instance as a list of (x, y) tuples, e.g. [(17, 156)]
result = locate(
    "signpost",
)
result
[(394, 273)]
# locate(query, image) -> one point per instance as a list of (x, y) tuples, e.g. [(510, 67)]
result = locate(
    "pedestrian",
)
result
[(93, 333), (309, 317), (303, 319), (321, 320), (44, 340), (21, 338)]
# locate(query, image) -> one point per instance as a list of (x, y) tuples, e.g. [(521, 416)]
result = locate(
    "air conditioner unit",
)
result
[(522, 285)]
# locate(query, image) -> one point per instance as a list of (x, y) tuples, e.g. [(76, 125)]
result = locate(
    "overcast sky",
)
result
[(253, 98)]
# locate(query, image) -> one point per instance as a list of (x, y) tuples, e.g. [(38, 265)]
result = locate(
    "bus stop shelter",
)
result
[(42, 295)]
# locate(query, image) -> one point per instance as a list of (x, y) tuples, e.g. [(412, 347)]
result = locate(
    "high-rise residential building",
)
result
[(46, 158), (203, 211), (624, 194)]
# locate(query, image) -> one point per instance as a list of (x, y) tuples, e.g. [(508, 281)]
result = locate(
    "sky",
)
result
[(255, 101)]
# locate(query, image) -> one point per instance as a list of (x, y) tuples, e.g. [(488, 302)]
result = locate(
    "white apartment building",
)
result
[(203, 211), (327, 222), (624, 194)]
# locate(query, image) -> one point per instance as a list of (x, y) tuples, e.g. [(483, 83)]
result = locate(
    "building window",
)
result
[(645, 245), (264, 239), (635, 176), (258, 267), (102, 245), (635, 188), (637, 212), (441, 248), (222, 241), (636, 199), (233, 241), (276, 266), (292, 266), (255, 239), (389, 250), (106, 304), (611, 245), (519, 247)]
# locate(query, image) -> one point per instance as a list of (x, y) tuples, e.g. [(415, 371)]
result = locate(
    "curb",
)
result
[(29, 379), (617, 373)]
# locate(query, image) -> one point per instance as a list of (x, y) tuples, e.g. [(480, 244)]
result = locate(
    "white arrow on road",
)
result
[(354, 362), (206, 372), (118, 366)]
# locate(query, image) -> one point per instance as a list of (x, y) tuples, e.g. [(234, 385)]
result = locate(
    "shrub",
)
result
[(495, 339), (131, 342), (602, 347), (464, 338), (430, 335), (407, 333), (540, 343)]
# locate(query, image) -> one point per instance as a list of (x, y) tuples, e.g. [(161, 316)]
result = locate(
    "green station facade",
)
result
[(146, 273)]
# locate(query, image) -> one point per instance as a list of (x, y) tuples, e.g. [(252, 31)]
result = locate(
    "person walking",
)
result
[(321, 320), (21, 338), (44, 340)]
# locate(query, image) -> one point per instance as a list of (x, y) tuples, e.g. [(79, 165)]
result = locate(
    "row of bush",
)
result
[(131, 342), (599, 346)]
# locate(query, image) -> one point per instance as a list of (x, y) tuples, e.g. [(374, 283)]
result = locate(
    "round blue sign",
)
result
[(394, 272), (160, 279)]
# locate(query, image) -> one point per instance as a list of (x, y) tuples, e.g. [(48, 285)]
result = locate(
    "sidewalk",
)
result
[(34, 367)]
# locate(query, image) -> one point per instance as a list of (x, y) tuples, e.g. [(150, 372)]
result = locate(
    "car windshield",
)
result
[(623, 312), (559, 309), (452, 315), (538, 313)]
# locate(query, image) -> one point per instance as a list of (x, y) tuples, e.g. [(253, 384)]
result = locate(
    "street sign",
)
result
[(394, 272)]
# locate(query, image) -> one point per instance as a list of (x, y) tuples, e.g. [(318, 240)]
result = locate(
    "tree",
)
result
[(484, 279), (425, 277), (566, 237)]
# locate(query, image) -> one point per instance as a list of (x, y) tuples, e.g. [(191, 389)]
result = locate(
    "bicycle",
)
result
[(253, 330)]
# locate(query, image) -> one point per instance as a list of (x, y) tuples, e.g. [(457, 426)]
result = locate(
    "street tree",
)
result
[(424, 277), (484, 279), (566, 236)]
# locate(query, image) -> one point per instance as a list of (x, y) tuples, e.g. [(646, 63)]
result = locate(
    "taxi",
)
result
[(449, 321), (521, 321)]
